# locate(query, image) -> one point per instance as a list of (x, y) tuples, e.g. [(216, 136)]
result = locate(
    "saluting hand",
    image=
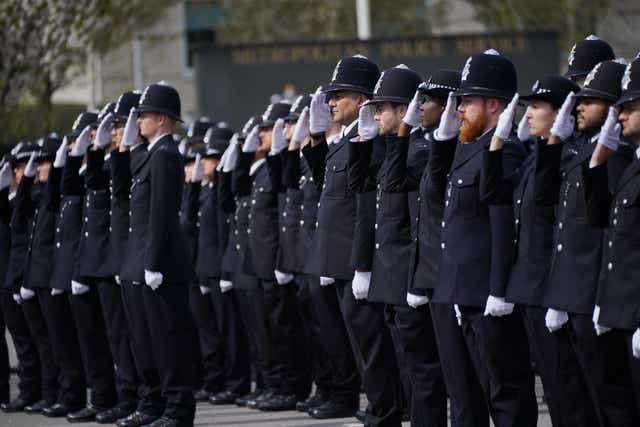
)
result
[(198, 169), (232, 158), (320, 117), (449, 122), (252, 142), (524, 133), (564, 123), (82, 142), (131, 130), (103, 134), (6, 175), (30, 169), (61, 154), (413, 116), (278, 138), (301, 131), (367, 126), (505, 120)]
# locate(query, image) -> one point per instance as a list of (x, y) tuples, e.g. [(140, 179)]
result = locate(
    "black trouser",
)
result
[(499, 349), (336, 344), (285, 335), (467, 408), (366, 324), (49, 369), (211, 345), (149, 389), (4, 360), (634, 368), (237, 367), (64, 343), (565, 391), (119, 337), (403, 369), (322, 375), (29, 378), (94, 347), (170, 323), (417, 338), (249, 297)]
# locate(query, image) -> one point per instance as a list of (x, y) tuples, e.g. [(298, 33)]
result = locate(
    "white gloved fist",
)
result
[(153, 279), (56, 292), (283, 278), (449, 126), (599, 328), (26, 294), (103, 134), (82, 142), (17, 298), (610, 131), (416, 301), (505, 120), (635, 343), (555, 319), (497, 306), (131, 129), (225, 285), (413, 116), (204, 290), (278, 138), (524, 133), (252, 142), (320, 114), (326, 281), (61, 154), (367, 126), (232, 158), (564, 122), (182, 146), (301, 130), (223, 158), (198, 169), (78, 288), (6, 175), (31, 168), (360, 284)]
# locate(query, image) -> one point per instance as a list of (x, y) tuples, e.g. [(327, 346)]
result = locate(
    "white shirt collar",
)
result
[(254, 167), (334, 138), (107, 156), (594, 138), (638, 152), (347, 129), (152, 143), (12, 194), (134, 147)]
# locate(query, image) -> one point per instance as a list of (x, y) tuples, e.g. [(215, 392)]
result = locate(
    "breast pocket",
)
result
[(393, 204), (336, 179), (466, 195), (629, 202)]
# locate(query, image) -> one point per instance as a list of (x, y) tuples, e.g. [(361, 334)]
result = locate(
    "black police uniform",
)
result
[(476, 258), (577, 253)]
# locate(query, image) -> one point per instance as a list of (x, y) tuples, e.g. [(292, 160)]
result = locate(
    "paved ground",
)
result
[(230, 416)]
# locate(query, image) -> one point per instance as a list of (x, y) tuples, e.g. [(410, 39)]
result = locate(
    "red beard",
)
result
[(470, 130)]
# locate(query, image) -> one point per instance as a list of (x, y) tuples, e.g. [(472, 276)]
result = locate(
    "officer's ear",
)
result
[(495, 105), (402, 109), (361, 99)]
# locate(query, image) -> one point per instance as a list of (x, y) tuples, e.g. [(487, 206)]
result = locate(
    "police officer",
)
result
[(477, 238), (157, 249), (340, 237), (577, 247), (584, 55)]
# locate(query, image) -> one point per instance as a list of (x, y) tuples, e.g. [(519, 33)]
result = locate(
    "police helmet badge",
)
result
[(592, 74), (466, 69)]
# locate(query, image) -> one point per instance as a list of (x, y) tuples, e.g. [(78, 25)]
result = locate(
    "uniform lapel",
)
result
[(479, 146), (629, 173)]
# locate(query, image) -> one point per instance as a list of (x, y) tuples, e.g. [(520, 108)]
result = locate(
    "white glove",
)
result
[(326, 281), (103, 134), (252, 142), (301, 131), (204, 290), (554, 319), (635, 343), (497, 306), (153, 279), (182, 146), (17, 299), (78, 288), (456, 310), (505, 120), (30, 169), (413, 116), (367, 126), (610, 131), (131, 129), (225, 155), (6, 175), (283, 278), (320, 114), (449, 126), (117, 279), (416, 301), (564, 123), (225, 285), (56, 292), (82, 142), (61, 154), (524, 133), (278, 138), (360, 284), (232, 159), (198, 170), (26, 294), (599, 328)]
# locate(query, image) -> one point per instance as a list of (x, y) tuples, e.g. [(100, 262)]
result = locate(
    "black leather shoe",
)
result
[(116, 413), (137, 419), (59, 410), (265, 395), (242, 400), (84, 415), (361, 415), (168, 422), (331, 410), (16, 405), (311, 402), (201, 395), (37, 407), (223, 398), (281, 402)]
